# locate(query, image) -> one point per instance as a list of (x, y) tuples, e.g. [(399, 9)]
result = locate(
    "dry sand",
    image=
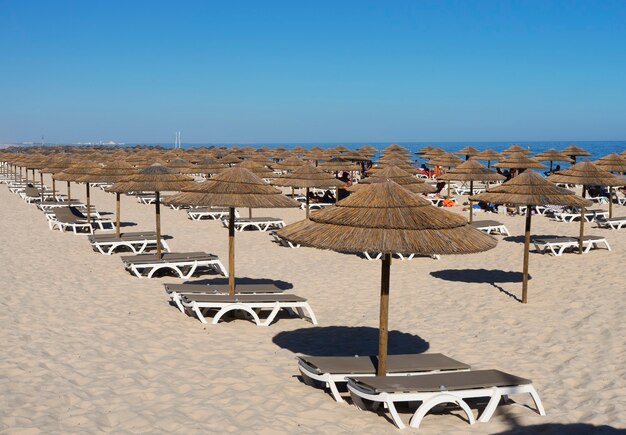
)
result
[(86, 347)]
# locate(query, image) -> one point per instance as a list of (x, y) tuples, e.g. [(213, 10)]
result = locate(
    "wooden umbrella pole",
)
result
[(610, 202), (157, 207), (383, 329), (26, 175), (231, 251), (88, 203), (69, 194), (54, 190), (582, 230), (250, 212), (526, 250), (117, 216), (41, 178), (307, 203), (470, 201)]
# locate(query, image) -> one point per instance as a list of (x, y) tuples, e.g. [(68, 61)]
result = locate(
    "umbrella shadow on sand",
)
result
[(346, 341), (493, 277), (283, 285), (553, 428)]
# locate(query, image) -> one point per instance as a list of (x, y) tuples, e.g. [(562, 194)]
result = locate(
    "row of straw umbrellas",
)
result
[(380, 216)]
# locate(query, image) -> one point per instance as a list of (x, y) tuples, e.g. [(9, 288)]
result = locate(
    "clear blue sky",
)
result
[(312, 71)]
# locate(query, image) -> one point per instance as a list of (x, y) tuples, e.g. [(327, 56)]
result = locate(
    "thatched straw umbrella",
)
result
[(552, 155), (58, 165), (112, 172), (612, 162), (308, 176), (157, 179), (179, 165), (76, 173), (397, 175), (529, 188), (385, 217), (587, 174), (339, 164), (234, 187), (367, 150), (520, 162), (468, 152), (488, 155), (424, 150), (471, 170), (290, 163), (575, 151), (446, 160), (515, 148)]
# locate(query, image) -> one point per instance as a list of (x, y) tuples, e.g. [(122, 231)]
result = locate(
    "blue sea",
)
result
[(596, 148)]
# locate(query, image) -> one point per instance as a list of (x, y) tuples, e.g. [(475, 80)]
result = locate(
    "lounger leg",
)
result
[(176, 299), (437, 400), (196, 310), (533, 393), (272, 315), (394, 415), (309, 311), (165, 247), (221, 268), (335, 392), (491, 406)]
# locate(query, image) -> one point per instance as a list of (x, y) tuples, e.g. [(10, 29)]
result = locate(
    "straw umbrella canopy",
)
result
[(447, 160), (234, 187), (575, 151), (468, 152), (207, 166), (552, 155), (587, 174), (399, 176), (623, 153), (111, 172), (387, 218), (308, 176), (316, 156), (339, 164), (520, 162), (515, 148), (529, 188), (155, 178), (290, 163), (179, 165), (367, 149), (488, 155), (230, 159), (76, 173), (58, 164), (471, 170), (612, 162), (424, 150)]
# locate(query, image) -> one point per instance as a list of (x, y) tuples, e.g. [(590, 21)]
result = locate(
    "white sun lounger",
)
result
[(435, 389), (176, 291), (614, 223), (184, 264), (589, 215), (62, 219), (260, 223), (378, 255), (137, 242), (558, 245), (199, 213), (316, 205), (283, 242), (489, 227), (253, 304), (333, 370)]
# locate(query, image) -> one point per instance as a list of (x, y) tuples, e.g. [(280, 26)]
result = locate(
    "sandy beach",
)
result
[(88, 348)]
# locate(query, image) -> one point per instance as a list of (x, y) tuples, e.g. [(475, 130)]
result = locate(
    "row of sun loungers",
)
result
[(588, 215), (430, 379)]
